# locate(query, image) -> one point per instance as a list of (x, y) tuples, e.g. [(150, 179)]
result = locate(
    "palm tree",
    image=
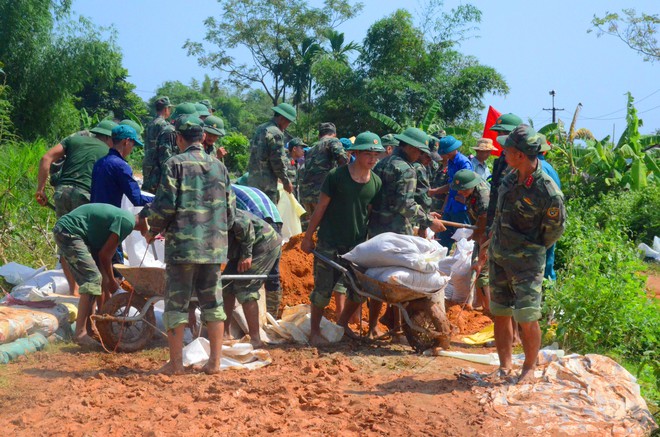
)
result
[(337, 50)]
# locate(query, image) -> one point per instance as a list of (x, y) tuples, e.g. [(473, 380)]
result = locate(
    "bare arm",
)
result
[(108, 283), (307, 244), (54, 154)]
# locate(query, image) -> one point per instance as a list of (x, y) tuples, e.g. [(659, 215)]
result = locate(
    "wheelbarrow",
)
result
[(126, 322), (426, 324)]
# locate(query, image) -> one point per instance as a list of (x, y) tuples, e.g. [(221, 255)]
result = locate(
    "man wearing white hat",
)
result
[(484, 149)]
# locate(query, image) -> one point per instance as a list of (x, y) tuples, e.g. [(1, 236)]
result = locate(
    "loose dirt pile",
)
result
[(297, 277)]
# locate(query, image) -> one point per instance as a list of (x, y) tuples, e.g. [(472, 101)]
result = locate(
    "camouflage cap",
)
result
[(327, 128), (440, 133), (183, 109), (214, 125), (506, 123), (296, 142), (189, 124), (367, 141), (104, 128), (207, 103), (163, 101), (389, 140), (523, 138), (202, 110), (126, 132), (285, 110), (416, 138), (448, 144), (137, 126), (465, 179)]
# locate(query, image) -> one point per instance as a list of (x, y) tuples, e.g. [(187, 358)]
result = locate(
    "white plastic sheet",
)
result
[(15, 273), (651, 252), (235, 356), (290, 211), (295, 325)]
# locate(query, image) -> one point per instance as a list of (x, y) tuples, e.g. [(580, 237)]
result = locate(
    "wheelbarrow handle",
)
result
[(330, 262), (249, 277), (458, 225)]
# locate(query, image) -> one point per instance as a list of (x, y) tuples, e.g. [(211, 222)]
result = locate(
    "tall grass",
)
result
[(25, 226)]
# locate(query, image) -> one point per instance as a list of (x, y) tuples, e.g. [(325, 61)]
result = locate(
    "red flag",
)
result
[(491, 118)]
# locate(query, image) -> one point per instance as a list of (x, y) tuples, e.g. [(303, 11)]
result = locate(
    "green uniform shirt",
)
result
[(529, 219), (194, 207), (81, 152), (344, 223), (94, 223), (477, 203), (251, 236)]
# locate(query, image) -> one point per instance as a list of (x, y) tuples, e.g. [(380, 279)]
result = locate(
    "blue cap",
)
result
[(126, 132), (448, 144), (346, 143)]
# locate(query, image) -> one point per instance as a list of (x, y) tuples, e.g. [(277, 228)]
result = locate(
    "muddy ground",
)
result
[(347, 389)]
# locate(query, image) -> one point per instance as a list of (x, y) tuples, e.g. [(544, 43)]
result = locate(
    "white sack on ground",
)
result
[(390, 249), (418, 281), (46, 282), (15, 273), (235, 356), (458, 289), (651, 252), (295, 325)]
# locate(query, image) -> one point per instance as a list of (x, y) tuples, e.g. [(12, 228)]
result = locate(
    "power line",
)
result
[(600, 117)]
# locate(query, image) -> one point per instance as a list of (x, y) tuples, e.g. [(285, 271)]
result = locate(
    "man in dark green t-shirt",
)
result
[(89, 231), (342, 213)]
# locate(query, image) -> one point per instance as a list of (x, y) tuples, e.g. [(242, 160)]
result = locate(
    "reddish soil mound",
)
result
[(467, 321)]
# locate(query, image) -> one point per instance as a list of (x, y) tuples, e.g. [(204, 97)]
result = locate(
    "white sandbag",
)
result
[(651, 252), (390, 249), (458, 289), (15, 273), (462, 233), (48, 281), (418, 281)]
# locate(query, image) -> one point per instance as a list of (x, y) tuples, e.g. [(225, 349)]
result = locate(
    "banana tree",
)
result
[(429, 123)]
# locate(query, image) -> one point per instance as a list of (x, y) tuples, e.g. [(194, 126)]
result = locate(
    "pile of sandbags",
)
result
[(403, 260)]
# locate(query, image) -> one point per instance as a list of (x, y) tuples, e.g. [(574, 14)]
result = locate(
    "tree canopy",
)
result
[(637, 31)]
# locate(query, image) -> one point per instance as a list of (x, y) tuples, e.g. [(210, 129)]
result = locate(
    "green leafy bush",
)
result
[(599, 302), (238, 152)]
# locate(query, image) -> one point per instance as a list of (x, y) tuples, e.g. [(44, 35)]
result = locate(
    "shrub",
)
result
[(238, 152)]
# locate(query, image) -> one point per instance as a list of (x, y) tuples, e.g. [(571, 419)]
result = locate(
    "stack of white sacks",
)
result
[(417, 263)]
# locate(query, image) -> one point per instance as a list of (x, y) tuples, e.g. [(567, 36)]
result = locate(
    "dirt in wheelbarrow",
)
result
[(347, 389)]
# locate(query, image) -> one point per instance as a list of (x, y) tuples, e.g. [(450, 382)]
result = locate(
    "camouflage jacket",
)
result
[(165, 148), (326, 154), (440, 178), (499, 170), (267, 160), (477, 203), (421, 191), (395, 209), (529, 219), (194, 208), (152, 131), (251, 236)]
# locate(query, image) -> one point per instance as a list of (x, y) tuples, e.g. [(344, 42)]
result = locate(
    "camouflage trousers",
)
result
[(246, 291), (184, 280), (79, 257), (327, 279), (69, 197), (515, 292)]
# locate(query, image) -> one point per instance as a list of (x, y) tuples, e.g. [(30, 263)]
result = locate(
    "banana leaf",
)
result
[(638, 175), (387, 121)]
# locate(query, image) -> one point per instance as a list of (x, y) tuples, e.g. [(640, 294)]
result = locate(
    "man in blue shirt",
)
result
[(550, 171), (112, 177), (483, 150), (454, 209)]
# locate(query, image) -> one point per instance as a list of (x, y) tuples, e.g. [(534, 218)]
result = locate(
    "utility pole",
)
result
[(553, 109)]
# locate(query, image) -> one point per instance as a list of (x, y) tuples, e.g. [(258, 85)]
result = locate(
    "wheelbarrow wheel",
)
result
[(126, 336), (429, 317)]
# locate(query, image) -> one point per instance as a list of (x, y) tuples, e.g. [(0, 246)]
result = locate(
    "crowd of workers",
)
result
[(351, 189)]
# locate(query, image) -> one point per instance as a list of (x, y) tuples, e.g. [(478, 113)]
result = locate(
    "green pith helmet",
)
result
[(202, 110), (214, 125), (465, 179), (389, 140), (188, 123), (368, 141), (506, 123), (285, 110), (523, 138), (416, 138), (163, 101), (207, 103), (183, 109), (104, 128), (134, 125)]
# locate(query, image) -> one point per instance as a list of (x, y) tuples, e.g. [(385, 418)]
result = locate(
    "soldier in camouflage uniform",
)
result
[(474, 192), (326, 154), (166, 147), (423, 185), (395, 208), (80, 152), (154, 128), (389, 143), (254, 247), (267, 155), (529, 218), (504, 125), (194, 208), (214, 128), (209, 106), (296, 163)]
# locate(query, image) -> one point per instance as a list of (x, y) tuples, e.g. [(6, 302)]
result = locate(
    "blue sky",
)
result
[(536, 46)]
